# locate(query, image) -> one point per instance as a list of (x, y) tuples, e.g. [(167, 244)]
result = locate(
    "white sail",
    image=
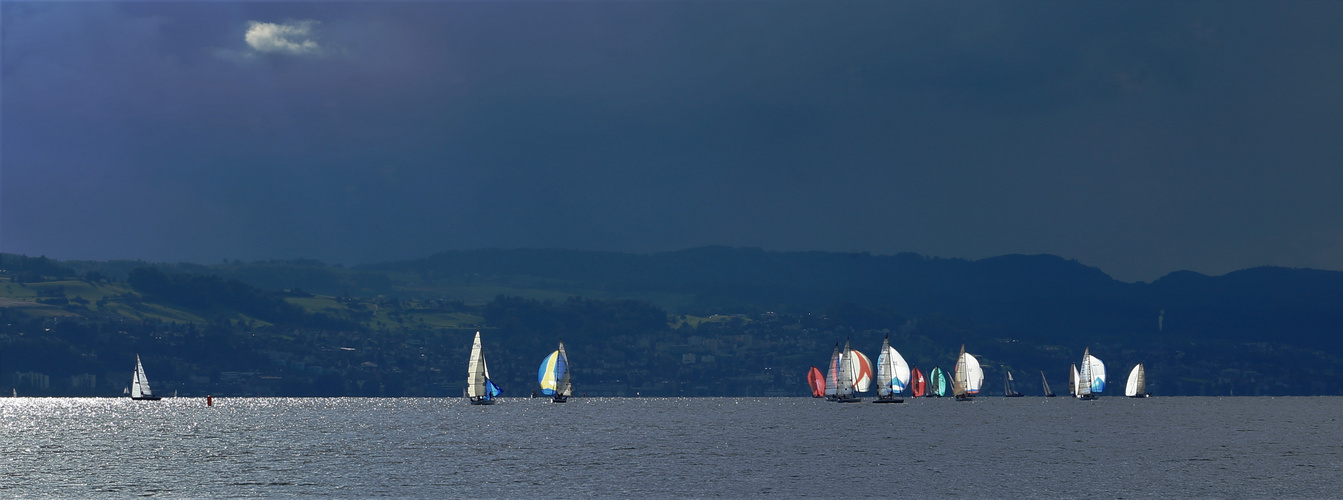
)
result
[(1072, 381), (885, 369), (832, 375), (1096, 378), (1137, 382), (973, 378), (969, 377), (476, 371), (847, 373), (1091, 375), (861, 370), (895, 378), (139, 382)]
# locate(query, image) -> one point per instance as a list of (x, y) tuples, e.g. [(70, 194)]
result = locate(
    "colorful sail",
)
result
[(918, 386), (553, 375), (861, 370), (817, 382), (938, 384)]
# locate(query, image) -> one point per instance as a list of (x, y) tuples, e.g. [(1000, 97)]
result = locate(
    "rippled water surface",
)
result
[(701, 447)]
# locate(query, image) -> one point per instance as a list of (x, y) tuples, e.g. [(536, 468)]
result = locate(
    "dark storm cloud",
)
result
[(1138, 137)]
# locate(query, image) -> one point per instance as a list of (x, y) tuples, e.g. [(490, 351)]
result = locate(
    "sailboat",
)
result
[(969, 377), (937, 384), (1137, 383), (479, 388), (1091, 377), (918, 386), (140, 390), (817, 382), (554, 376), (832, 376), (1007, 387), (855, 375), (892, 374), (1072, 381), (1045, 382)]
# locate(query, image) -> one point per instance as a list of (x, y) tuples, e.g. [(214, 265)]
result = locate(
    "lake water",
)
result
[(676, 447)]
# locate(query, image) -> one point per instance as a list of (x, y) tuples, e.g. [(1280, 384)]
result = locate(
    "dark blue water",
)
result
[(702, 447)]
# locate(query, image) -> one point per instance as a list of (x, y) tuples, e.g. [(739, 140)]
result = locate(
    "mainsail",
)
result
[(1045, 382), (1072, 381)]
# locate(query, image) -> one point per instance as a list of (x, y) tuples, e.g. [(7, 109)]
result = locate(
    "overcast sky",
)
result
[(1137, 137)]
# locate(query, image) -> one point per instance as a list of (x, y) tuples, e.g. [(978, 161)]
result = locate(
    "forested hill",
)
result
[(1044, 297), (705, 321)]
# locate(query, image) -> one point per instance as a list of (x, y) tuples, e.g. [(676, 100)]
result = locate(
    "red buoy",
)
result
[(209, 400)]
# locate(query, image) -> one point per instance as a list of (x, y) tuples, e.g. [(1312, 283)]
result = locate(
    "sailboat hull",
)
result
[(888, 400), (147, 398), (482, 401), (559, 399)]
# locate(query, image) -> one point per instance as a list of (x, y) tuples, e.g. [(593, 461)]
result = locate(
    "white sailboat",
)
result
[(554, 376), (892, 374), (479, 388), (969, 376), (1008, 391), (855, 375), (1137, 383), (1091, 377), (140, 390)]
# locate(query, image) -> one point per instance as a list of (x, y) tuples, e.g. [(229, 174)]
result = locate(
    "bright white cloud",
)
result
[(293, 38)]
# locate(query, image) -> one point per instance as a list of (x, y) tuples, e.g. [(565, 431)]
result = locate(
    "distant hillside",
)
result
[(704, 321)]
